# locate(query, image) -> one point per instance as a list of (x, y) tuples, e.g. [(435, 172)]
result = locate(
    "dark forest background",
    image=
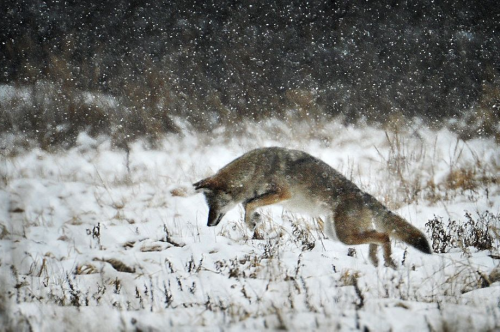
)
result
[(221, 62)]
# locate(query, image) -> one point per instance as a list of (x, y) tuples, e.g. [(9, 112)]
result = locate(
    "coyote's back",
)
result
[(301, 182)]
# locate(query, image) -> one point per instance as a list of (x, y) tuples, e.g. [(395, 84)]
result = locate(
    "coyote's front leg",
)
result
[(252, 218)]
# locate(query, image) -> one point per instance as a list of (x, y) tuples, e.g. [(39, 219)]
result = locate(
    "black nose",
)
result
[(214, 217)]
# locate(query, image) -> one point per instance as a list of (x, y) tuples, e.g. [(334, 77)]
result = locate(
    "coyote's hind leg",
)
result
[(372, 254), (387, 254), (353, 226), (373, 238)]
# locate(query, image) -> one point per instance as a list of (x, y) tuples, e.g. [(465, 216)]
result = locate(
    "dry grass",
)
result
[(477, 232), (122, 286)]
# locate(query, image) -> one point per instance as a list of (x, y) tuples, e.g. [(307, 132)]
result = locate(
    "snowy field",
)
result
[(91, 238)]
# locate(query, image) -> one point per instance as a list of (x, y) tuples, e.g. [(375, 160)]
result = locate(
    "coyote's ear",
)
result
[(208, 183)]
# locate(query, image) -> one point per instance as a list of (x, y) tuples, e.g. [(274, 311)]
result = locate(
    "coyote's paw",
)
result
[(390, 263), (253, 224), (373, 260), (257, 235), (253, 221)]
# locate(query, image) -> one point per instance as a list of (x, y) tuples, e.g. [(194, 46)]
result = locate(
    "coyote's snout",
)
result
[(298, 181)]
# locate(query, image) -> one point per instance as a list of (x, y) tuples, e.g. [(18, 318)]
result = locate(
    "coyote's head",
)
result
[(218, 200)]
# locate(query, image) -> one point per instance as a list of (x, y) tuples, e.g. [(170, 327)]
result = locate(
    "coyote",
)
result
[(300, 182)]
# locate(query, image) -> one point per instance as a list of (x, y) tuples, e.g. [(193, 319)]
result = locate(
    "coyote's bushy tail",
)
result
[(398, 228)]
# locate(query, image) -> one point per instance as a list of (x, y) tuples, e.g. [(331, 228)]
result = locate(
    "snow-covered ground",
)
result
[(92, 239)]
